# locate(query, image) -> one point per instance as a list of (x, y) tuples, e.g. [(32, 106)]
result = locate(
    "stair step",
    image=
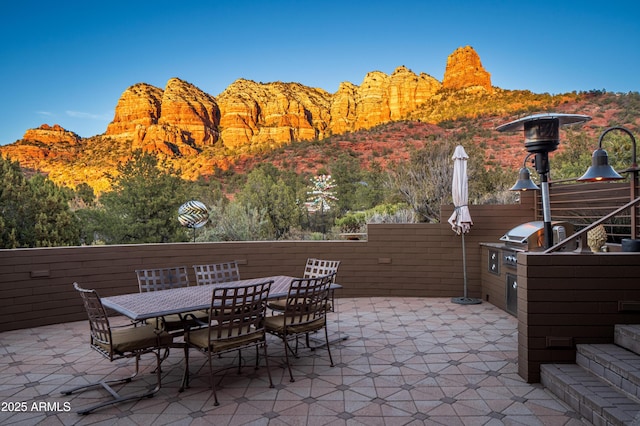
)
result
[(628, 336), (595, 400), (604, 383), (614, 364)]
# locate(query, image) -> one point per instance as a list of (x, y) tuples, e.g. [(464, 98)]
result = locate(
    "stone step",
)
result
[(628, 336), (615, 364), (595, 399), (604, 383)]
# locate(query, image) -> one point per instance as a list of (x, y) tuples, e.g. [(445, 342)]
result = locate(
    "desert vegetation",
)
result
[(395, 172)]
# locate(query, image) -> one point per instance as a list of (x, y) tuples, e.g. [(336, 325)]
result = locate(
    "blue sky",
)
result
[(68, 62)]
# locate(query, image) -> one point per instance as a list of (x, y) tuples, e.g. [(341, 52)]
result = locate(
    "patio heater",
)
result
[(542, 136), (600, 170)]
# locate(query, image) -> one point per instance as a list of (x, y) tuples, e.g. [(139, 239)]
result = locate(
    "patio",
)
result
[(406, 361)]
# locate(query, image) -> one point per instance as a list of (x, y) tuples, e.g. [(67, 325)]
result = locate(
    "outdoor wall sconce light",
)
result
[(542, 136), (600, 170), (524, 182)]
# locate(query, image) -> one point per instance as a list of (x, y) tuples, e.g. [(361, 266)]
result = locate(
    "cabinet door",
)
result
[(512, 294)]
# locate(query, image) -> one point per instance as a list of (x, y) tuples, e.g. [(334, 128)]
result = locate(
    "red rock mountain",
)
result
[(200, 132), (51, 135), (464, 69), (182, 119)]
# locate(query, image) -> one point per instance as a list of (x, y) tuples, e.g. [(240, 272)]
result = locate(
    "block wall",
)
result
[(396, 260), (566, 299)]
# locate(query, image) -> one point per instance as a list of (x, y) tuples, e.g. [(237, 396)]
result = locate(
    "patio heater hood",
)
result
[(542, 131)]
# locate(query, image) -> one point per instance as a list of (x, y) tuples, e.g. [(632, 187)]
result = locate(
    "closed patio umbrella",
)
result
[(460, 220)]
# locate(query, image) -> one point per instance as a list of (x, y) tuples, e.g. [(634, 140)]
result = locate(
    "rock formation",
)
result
[(181, 120), (272, 113), (191, 110), (407, 91), (43, 144), (464, 69), (138, 108), (372, 106), (51, 134), (343, 108), (177, 120)]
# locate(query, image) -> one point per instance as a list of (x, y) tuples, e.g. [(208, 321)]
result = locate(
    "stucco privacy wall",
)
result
[(396, 260)]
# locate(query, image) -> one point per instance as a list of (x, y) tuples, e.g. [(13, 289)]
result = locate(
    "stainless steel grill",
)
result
[(530, 236)]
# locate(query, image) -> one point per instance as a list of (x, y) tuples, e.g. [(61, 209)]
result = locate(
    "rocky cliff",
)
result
[(42, 145), (175, 121), (51, 134), (182, 119), (200, 133), (464, 69)]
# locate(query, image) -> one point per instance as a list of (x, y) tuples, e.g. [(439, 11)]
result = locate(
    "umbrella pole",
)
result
[(464, 265), (465, 300)]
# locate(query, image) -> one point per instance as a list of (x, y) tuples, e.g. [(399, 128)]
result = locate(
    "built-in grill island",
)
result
[(500, 277)]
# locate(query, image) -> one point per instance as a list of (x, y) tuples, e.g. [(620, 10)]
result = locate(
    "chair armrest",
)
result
[(133, 323), (191, 317)]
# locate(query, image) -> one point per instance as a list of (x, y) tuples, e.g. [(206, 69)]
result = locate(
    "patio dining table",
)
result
[(147, 305)]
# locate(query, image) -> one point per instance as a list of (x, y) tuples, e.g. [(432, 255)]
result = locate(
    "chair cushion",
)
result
[(228, 340), (280, 304), (137, 338), (275, 323), (176, 321), (277, 304)]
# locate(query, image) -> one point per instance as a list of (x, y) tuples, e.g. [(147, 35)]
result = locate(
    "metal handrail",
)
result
[(583, 247)]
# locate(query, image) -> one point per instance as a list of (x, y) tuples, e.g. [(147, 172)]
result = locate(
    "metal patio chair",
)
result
[(305, 312), (117, 342), (236, 321), (313, 268), (216, 273)]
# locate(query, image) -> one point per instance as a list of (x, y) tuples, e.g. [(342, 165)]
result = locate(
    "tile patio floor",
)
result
[(407, 361)]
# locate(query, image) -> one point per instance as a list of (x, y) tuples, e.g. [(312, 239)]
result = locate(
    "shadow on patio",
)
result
[(406, 361)]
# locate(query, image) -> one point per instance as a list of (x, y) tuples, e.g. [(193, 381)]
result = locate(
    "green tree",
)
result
[(209, 191), (233, 221), (142, 206), (273, 194), (14, 227), (356, 188), (34, 212), (84, 195), (54, 224)]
